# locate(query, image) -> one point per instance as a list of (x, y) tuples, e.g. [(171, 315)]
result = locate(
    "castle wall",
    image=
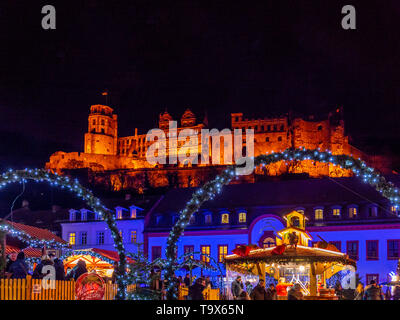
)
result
[(126, 156)]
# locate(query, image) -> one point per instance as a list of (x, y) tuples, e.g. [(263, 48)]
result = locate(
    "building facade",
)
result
[(120, 162), (342, 211), (85, 229)]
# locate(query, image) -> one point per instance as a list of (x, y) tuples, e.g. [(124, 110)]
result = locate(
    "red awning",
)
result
[(113, 255), (29, 252)]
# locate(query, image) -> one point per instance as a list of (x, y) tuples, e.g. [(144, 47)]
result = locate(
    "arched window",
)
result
[(225, 218), (192, 219), (102, 122), (242, 217), (319, 214)]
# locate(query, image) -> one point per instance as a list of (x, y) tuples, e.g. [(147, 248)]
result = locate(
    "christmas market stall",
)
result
[(33, 241), (291, 261), (100, 260)]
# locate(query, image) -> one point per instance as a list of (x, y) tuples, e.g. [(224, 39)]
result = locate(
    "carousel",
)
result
[(291, 261)]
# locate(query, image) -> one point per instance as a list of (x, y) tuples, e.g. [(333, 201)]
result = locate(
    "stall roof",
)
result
[(42, 234)]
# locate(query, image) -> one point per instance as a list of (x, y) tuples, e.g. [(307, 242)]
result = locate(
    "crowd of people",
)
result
[(18, 268), (259, 292)]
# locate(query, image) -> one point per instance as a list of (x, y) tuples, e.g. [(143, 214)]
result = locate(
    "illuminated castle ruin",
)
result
[(121, 161)]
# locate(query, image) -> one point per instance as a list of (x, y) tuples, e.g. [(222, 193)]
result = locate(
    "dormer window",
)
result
[(119, 213), (353, 211), (242, 217), (319, 214), (133, 212), (336, 212), (225, 218), (372, 211), (72, 215), (84, 214)]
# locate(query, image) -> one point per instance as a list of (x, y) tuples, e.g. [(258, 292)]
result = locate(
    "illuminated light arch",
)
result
[(39, 175), (213, 187)]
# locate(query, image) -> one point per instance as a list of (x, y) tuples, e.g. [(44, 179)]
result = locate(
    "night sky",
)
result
[(261, 58)]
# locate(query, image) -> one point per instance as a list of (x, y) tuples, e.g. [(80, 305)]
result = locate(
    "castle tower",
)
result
[(102, 131), (188, 119), (164, 120)]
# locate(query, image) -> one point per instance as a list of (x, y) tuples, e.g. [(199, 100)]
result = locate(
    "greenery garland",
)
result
[(210, 189), (38, 175)]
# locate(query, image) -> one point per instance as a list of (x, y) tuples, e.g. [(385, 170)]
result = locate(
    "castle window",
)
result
[(352, 212), (319, 214), (393, 209), (225, 218), (269, 128), (94, 122), (188, 249), (275, 127), (102, 130), (282, 127), (267, 139), (301, 211), (242, 217), (279, 138), (319, 128), (192, 219), (102, 122), (72, 238), (158, 219), (208, 218), (336, 212)]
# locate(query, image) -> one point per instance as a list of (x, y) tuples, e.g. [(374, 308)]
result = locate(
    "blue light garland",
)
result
[(210, 189)]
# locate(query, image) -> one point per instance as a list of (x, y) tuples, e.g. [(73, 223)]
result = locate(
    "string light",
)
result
[(211, 188)]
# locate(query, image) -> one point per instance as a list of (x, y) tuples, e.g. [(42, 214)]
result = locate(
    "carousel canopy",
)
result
[(301, 254)]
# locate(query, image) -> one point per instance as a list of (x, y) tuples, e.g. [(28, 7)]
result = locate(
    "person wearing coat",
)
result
[(295, 293), (196, 290), (59, 266), (272, 293), (19, 268), (396, 293), (237, 287), (37, 273), (373, 292), (259, 292), (186, 280)]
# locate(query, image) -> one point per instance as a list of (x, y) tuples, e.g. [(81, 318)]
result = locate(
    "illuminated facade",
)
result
[(121, 161), (345, 212)]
